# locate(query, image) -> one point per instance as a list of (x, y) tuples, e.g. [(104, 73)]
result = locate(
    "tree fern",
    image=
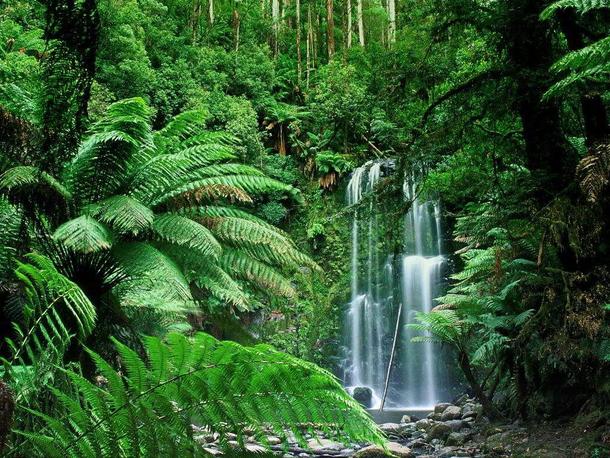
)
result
[(582, 6), (50, 300), (123, 214), (84, 234), (223, 386)]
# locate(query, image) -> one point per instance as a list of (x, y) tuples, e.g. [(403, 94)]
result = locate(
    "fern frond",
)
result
[(26, 176), (582, 6), (51, 300), (594, 172), (124, 214), (247, 268), (179, 230), (220, 385), (84, 234)]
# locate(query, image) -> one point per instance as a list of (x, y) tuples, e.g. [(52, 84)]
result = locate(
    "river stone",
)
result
[(456, 439), (212, 451), (440, 408), (405, 419), (324, 444), (439, 431), (455, 425), (434, 416), (364, 396), (274, 440), (451, 413), (392, 428), (424, 424), (394, 449)]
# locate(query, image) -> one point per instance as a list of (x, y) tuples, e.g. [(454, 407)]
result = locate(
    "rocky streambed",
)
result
[(450, 430)]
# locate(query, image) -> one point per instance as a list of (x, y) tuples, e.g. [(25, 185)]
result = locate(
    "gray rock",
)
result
[(395, 449), (439, 431), (456, 439), (424, 425), (274, 440), (324, 444), (406, 419), (435, 416), (456, 425), (451, 413), (440, 408), (364, 396)]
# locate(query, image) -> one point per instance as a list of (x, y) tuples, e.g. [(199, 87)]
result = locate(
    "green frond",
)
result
[(123, 214), (184, 125), (51, 300), (152, 273), (582, 6), (242, 266), (26, 176), (84, 234), (212, 278), (253, 185), (118, 145), (221, 385), (180, 230)]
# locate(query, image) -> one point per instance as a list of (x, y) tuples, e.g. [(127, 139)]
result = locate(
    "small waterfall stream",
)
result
[(381, 280)]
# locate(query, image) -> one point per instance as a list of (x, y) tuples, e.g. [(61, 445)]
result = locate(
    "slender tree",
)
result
[(391, 22), (330, 29), (349, 23), (360, 23), (298, 35)]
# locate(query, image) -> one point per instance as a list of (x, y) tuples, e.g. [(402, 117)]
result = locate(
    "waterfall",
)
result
[(380, 281)]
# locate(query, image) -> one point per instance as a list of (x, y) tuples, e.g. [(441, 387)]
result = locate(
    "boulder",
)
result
[(364, 396), (451, 413), (392, 428), (274, 440), (456, 425), (324, 444), (434, 416), (456, 439), (424, 425), (394, 450), (440, 408), (439, 431), (406, 419)]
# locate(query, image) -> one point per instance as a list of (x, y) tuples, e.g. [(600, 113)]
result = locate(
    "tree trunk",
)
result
[(275, 15), (211, 11), (530, 53), (330, 29), (466, 367), (309, 43), (195, 19), (391, 22), (360, 23), (236, 28), (349, 24), (298, 24)]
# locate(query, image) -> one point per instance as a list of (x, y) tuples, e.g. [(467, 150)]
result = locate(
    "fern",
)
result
[(223, 386), (84, 234), (582, 6), (50, 299), (123, 214)]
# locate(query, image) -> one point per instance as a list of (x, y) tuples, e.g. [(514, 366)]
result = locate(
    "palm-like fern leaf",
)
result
[(221, 385), (25, 176), (582, 6), (123, 214), (51, 300), (179, 230), (84, 234)]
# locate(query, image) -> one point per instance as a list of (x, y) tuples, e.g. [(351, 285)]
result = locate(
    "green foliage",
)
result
[(148, 409)]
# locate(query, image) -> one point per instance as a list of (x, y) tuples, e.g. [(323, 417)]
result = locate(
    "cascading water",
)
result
[(380, 282)]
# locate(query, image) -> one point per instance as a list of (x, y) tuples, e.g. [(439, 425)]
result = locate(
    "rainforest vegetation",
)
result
[(174, 236)]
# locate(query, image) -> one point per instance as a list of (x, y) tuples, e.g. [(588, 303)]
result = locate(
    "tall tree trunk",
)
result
[(349, 24), (360, 23), (465, 365), (309, 43), (195, 18), (236, 28), (330, 29), (298, 31), (391, 22), (530, 53), (211, 11), (275, 15)]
